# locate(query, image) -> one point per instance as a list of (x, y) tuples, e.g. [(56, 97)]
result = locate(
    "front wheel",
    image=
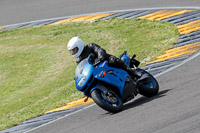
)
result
[(110, 102), (149, 88)]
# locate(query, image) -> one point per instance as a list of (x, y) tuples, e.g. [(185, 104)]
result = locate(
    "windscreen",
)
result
[(79, 68)]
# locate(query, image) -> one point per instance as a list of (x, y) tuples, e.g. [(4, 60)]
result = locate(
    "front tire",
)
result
[(106, 102), (150, 88)]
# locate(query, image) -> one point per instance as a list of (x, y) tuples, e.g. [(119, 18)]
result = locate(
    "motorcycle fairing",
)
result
[(86, 74), (115, 77), (83, 75)]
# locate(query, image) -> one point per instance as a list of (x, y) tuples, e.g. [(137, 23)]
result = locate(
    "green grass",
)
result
[(36, 70)]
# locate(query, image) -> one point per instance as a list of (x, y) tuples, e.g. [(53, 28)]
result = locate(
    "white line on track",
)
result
[(185, 61), (60, 118)]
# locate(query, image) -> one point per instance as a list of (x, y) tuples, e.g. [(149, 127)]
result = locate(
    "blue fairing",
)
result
[(115, 77), (85, 74)]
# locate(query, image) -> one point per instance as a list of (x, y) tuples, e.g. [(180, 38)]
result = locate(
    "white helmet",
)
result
[(75, 46)]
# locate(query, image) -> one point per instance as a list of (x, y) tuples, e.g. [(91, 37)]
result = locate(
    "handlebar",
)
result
[(97, 63), (93, 61)]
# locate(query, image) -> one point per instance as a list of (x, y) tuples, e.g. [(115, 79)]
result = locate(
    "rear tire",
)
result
[(99, 98), (148, 89)]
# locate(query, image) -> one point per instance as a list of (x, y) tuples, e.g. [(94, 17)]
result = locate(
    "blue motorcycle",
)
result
[(111, 87)]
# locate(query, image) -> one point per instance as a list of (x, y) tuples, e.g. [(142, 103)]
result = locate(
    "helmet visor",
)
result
[(74, 50)]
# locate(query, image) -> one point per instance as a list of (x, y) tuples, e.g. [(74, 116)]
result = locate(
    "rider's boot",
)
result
[(133, 72)]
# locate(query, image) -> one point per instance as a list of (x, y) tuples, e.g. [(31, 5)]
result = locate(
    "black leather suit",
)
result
[(100, 54), (92, 48)]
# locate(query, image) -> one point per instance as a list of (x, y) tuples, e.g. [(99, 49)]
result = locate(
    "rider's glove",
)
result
[(91, 58), (101, 59)]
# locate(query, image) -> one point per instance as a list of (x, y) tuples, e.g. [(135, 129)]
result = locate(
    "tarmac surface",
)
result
[(18, 11)]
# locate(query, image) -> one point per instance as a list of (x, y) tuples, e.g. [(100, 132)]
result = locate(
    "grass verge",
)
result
[(36, 70)]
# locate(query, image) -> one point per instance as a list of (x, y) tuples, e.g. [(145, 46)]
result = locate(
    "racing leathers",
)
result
[(100, 54)]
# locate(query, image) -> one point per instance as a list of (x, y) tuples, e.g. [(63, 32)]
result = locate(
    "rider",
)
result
[(80, 51)]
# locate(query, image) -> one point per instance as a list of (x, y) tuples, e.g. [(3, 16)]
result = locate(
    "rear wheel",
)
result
[(149, 88), (110, 102)]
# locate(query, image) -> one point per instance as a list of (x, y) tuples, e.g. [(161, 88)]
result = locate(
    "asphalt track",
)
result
[(18, 11), (175, 109)]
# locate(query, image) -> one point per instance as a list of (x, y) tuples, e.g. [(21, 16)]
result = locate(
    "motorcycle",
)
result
[(111, 87)]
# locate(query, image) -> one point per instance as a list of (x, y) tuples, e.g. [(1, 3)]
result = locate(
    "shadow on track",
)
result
[(143, 100), (140, 101)]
